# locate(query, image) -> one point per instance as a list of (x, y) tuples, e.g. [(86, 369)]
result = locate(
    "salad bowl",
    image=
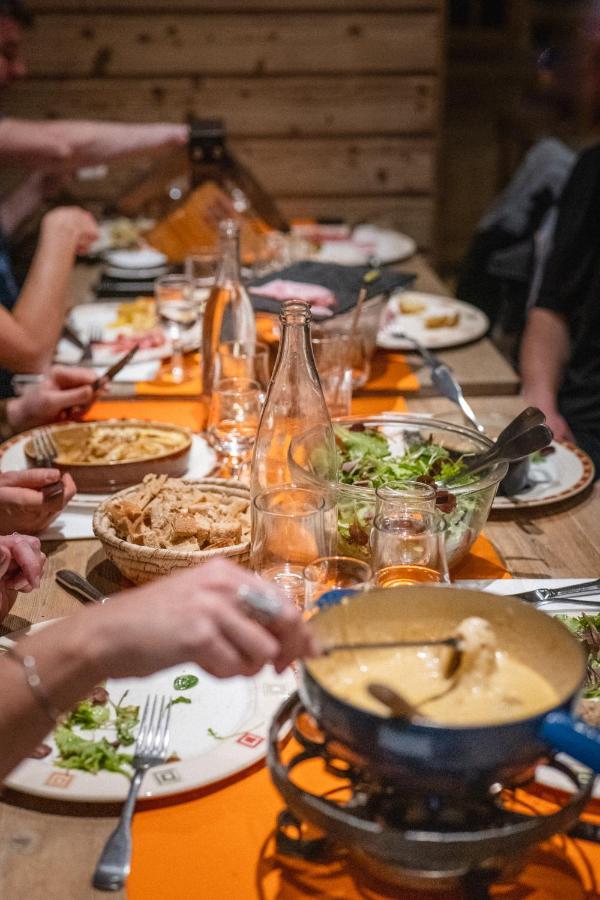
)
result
[(398, 447)]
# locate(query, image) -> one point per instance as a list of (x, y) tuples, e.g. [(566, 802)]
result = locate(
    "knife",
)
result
[(571, 593), (115, 369), (443, 379), (75, 584)]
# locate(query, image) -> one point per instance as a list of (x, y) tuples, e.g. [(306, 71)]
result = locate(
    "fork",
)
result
[(151, 749), (94, 337), (44, 448)]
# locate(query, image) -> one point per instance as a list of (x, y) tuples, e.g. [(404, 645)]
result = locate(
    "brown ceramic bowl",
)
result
[(102, 477)]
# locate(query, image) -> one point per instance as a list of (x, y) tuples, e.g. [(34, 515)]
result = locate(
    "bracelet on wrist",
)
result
[(34, 682)]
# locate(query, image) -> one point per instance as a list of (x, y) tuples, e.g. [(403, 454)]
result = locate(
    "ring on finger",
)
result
[(262, 607)]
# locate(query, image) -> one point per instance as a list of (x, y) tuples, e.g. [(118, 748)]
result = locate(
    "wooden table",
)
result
[(480, 367), (49, 853)]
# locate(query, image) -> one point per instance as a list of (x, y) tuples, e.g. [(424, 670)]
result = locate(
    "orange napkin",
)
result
[(187, 413), (189, 388), (391, 372), (481, 562)]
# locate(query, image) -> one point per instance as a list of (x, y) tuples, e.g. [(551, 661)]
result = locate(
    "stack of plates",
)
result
[(129, 273)]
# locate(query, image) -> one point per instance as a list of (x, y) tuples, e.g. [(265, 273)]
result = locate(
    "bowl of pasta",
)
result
[(103, 457)]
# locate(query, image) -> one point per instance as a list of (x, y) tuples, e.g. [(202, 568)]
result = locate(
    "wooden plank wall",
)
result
[(335, 104)]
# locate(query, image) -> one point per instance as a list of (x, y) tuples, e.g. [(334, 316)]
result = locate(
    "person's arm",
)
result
[(25, 200), (71, 144), (29, 334), (140, 632), (545, 352)]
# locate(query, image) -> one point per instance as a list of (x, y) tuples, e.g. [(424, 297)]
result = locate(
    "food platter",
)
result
[(117, 339), (364, 245), (220, 733), (554, 478), (75, 521), (115, 453), (432, 320)]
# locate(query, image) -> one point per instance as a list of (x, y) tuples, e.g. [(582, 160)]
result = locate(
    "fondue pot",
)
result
[(432, 756)]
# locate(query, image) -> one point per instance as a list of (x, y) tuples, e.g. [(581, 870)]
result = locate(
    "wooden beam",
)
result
[(63, 45)]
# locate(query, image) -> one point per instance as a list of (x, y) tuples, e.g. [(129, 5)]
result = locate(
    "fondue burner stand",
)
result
[(403, 839)]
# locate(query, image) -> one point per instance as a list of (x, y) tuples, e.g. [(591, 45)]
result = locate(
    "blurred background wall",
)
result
[(404, 112)]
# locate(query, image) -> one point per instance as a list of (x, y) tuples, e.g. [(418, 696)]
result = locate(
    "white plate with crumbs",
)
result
[(434, 321), (221, 731)]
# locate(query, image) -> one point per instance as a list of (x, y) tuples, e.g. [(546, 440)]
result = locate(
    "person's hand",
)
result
[(559, 426), (21, 566), (25, 504), (66, 390), (72, 227), (196, 616)]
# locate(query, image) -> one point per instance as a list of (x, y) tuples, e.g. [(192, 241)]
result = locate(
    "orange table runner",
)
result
[(218, 843)]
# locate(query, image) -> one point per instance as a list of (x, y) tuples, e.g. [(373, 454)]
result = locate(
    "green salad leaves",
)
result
[(89, 754), (587, 629)]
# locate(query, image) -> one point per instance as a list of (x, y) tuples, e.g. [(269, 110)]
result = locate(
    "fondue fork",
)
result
[(454, 642)]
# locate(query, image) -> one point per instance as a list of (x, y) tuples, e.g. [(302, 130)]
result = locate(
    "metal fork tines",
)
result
[(94, 337), (151, 749), (44, 448)]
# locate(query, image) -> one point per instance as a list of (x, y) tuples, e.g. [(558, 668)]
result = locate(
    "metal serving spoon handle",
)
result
[(76, 584), (384, 645)]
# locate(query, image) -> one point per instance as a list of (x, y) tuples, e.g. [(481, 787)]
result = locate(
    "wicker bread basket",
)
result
[(141, 564)]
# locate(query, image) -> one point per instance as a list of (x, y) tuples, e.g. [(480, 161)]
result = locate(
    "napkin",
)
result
[(341, 282)]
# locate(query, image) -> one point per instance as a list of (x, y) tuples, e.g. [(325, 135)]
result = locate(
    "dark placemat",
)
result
[(343, 281)]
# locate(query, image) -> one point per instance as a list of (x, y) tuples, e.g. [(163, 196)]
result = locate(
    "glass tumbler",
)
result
[(177, 312), (291, 526), (243, 359), (407, 538), (329, 578)]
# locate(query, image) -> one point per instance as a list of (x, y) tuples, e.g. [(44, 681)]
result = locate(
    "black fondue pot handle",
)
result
[(573, 736)]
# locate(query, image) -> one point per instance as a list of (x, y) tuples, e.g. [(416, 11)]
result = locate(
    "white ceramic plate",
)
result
[(368, 244), (142, 258), (564, 474), (86, 316), (472, 323), (75, 521), (239, 710)]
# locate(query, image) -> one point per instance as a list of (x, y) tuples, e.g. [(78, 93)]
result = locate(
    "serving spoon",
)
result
[(508, 450)]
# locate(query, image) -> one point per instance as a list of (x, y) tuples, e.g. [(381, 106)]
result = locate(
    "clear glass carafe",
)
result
[(228, 315)]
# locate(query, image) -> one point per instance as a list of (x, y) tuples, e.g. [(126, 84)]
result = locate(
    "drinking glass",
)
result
[(201, 269), (177, 312), (291, 526), (233, 417), (329, 578), (243, 359), (333, 358), (407, 539)]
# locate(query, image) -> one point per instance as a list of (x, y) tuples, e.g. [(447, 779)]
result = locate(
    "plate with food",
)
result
[(559, 472), (432, 320), (359, 246), (168, 523), (121, 233), (218, 728), (118, 327)]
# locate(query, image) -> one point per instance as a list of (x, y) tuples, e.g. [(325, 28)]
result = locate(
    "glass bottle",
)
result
[(294, 405), (228, 315)]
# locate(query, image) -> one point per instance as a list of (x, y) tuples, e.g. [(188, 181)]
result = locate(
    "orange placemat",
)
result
[(219, 845), (391, 372), (187, 413)]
